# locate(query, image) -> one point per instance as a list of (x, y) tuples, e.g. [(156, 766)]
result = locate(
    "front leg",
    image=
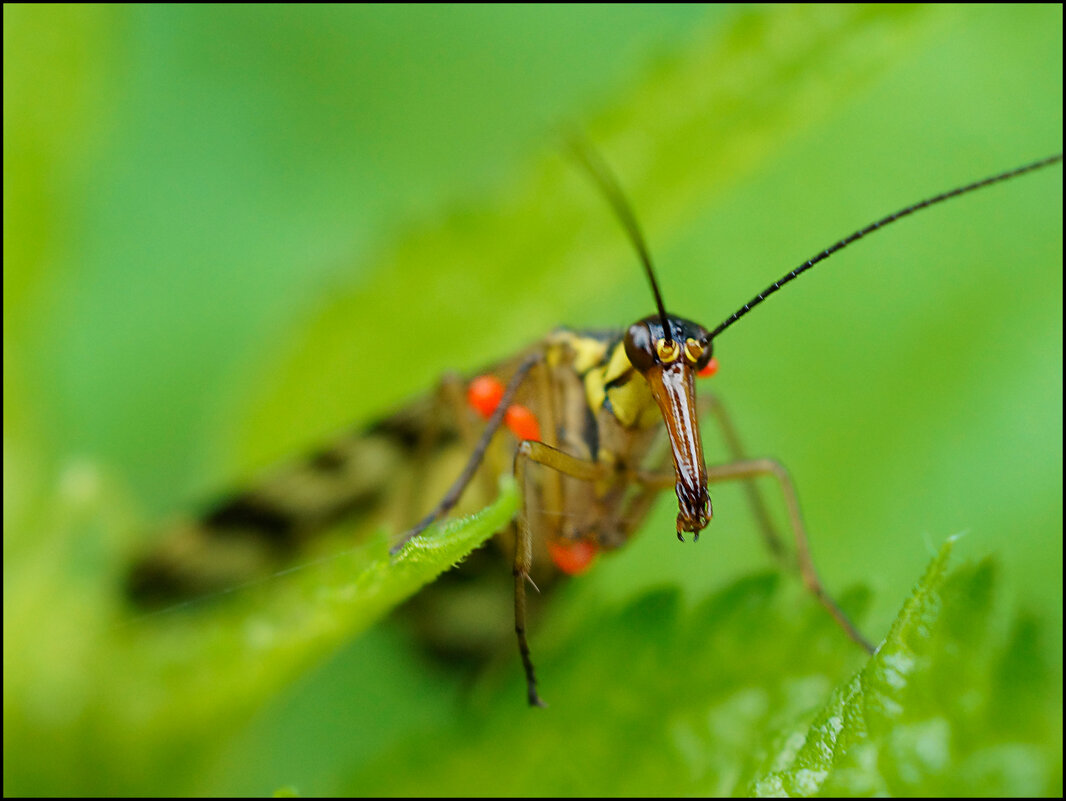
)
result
[(455, 492), (736, 454), (753, 468), (562, 463)]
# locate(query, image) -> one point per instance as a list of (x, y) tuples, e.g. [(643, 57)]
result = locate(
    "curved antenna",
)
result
[(608, 184), (874, 226)]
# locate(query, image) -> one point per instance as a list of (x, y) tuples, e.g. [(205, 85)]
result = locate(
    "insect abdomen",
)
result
[(357, 479)]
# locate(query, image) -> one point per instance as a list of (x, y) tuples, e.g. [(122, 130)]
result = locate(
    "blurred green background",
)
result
[(212, 216)]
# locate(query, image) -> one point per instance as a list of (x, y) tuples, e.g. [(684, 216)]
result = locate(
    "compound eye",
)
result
[(707, 364), (639, 349)]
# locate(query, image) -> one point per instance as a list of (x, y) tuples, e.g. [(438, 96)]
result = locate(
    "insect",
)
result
[(593, 425)]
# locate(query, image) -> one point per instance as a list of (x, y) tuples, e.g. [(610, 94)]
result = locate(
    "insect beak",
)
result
[(674, 388)]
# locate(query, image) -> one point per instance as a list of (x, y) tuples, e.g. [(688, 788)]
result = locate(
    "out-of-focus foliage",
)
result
[(223, 226), (739, 696), (199, 667)]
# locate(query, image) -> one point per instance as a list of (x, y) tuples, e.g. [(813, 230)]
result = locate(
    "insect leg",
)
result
[(751, 489), (447, 400), (754, 468), (453, 396), (456, 490), (638, 506), (561, 462)]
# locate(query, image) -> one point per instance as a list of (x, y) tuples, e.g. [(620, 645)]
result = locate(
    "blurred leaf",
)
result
[(741, 86), (199, 667)]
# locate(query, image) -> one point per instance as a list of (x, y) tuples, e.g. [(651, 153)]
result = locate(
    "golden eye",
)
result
[(693, 350), (667, 351)]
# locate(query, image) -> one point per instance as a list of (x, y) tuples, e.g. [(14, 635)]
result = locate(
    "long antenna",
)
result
[(582, 150), (874, 226)]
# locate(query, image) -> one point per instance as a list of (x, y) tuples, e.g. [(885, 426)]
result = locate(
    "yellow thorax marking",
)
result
[(587, 351), (631, 399), (618, 365)]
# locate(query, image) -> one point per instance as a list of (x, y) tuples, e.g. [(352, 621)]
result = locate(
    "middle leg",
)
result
[(753, 468), (562, 463)]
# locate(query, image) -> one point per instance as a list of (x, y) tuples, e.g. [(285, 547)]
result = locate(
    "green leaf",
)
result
[(942, 708), (202, 666), (742, 695)]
